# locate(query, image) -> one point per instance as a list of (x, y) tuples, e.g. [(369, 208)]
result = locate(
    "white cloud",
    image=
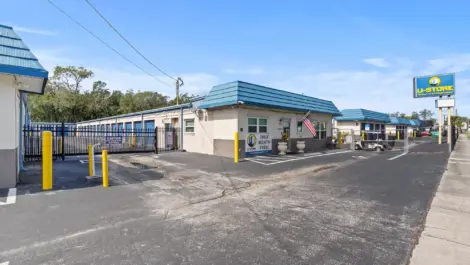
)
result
[(377, 62), (384, 91), (34, 31), (253, 71)]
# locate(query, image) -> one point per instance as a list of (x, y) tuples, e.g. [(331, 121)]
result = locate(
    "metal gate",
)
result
[(69, 140)]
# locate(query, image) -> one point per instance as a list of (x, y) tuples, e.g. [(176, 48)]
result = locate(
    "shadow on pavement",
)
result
[(72, 174)]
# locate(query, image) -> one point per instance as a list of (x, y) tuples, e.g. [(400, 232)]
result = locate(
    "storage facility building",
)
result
[(208, 124)]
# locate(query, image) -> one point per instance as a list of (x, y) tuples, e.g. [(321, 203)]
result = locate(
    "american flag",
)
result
[(310, 126)]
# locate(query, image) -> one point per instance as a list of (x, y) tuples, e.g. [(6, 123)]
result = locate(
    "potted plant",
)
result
[(282, 145), (300, 145)]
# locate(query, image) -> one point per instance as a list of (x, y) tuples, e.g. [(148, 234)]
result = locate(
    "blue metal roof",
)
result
[(417, 123), (362, 115), (254, 95), (399, 121), (16, 58)]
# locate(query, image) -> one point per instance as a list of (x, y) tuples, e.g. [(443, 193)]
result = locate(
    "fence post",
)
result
[(155, 144), (62, 142), (46, 160)]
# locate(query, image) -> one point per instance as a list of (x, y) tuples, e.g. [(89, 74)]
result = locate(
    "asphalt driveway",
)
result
[(366, 210)]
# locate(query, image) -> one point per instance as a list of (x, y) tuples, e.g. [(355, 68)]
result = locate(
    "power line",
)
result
[(122, 37), (107, 45)]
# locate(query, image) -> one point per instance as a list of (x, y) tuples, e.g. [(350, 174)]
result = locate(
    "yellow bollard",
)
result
[(135, 141), (235, 147), (46, 160), (104, 164), (415, 135), (398, 135), (90, 161), (363, 136)]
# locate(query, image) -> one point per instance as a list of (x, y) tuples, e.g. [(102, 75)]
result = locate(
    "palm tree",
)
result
[(424, 114), (430, 113)]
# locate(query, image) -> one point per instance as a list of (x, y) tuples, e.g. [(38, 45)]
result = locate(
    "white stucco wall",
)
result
[(347, 126), (274, 124), (221, 124), (8, 113)]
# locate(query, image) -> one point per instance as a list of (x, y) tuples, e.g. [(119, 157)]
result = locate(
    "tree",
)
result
[(425, 114), (414, 115), (65, 100)]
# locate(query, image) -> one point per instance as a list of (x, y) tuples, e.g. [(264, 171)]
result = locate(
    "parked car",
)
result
[(425, 133)]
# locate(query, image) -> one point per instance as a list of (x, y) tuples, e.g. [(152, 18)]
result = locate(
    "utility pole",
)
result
[(179, 83)]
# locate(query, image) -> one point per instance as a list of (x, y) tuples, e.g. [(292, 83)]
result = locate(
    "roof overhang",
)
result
[(28, 80)]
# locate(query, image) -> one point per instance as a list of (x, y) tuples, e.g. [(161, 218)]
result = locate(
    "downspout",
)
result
[(21, 132)]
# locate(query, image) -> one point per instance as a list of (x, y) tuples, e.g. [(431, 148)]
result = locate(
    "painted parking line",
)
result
[(11, 198), (268, 162), (398, 156)]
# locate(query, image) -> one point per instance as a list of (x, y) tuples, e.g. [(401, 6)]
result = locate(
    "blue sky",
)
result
[(355, 53)]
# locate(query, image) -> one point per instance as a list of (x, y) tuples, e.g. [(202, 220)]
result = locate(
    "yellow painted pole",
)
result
[(104, 164), (90, 160), (363, 136), (46, 160), (398, 135), (235, 147), (135, 141), (415, 135)]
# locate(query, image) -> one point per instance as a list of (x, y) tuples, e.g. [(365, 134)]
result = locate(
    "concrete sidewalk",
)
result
[(446, 235)]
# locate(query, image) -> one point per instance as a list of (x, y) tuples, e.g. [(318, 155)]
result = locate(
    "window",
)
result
[(299, 126), (252, 125), (189, 125), (256, 125), (263, 125), (320, 128)]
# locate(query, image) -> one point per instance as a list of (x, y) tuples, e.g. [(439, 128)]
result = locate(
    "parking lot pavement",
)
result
[(268, 160), (355, 211)]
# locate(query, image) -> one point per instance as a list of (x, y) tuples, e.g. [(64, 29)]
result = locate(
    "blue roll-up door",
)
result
[(128, 128), (149, 131), (138, 128), (120, 129), (108, 128), (114, 127)]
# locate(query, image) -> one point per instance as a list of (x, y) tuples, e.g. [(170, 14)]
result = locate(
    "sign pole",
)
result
[(449, 126), (440, 125)]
